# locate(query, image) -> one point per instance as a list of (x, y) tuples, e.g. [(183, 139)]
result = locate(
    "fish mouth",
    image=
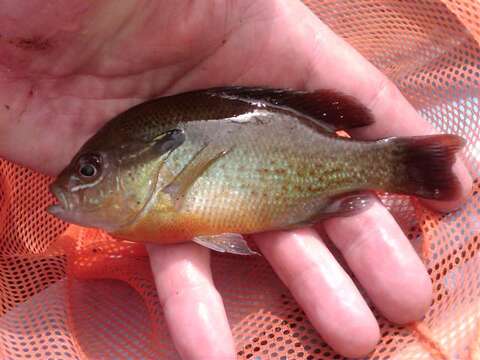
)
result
[(62, 205), (71, 212), (62, 210)]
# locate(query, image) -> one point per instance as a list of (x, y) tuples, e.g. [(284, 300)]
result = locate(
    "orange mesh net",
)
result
[(73, 293)]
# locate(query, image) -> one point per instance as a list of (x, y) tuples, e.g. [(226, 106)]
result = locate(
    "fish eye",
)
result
[(88, 170), (89, 166)]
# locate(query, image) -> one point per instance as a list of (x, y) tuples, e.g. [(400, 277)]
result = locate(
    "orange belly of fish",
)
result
[(181, 227)]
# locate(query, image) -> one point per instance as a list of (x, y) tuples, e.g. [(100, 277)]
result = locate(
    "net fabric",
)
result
[(75, 293)]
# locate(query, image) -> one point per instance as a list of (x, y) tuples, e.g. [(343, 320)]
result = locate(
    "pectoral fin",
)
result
[(228, 242), (202, 160)]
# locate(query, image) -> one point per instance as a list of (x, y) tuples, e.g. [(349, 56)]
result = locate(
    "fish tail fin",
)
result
[(427, 165)]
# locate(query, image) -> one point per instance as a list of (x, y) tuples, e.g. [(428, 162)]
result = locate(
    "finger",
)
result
[(323, 290), (384, 262), (192, 306), (336, 64)]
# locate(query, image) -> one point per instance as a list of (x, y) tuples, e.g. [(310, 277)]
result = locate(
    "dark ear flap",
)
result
[(168, 141), (328, 108), (153, 148)]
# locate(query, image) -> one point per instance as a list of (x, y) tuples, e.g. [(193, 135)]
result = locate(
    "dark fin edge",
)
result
[(429, 161), (337, 110)]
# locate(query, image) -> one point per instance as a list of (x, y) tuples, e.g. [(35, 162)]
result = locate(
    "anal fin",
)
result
[(340, 206), (228, 242), (348, 205)]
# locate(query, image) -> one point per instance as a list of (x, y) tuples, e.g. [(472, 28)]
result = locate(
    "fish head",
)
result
[(85, 191), (108, 188)]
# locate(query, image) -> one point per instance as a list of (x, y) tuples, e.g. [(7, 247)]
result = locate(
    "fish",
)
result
[(216, 165)]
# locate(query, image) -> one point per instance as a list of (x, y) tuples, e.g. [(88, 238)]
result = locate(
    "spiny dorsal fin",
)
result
[(337, 111)]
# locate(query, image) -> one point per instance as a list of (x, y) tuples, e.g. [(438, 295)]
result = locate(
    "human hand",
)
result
[(68, 68)]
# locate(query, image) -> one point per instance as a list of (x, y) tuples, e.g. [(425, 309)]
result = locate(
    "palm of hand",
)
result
[(99, 61), (69, 69)]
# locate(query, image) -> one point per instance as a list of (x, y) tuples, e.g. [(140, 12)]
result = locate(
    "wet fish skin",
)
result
[(249, 160)]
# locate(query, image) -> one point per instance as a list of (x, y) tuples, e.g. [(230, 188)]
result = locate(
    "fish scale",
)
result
[(210, 165)]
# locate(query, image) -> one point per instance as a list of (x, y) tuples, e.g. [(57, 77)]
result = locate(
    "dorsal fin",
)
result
[(336, 110)]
